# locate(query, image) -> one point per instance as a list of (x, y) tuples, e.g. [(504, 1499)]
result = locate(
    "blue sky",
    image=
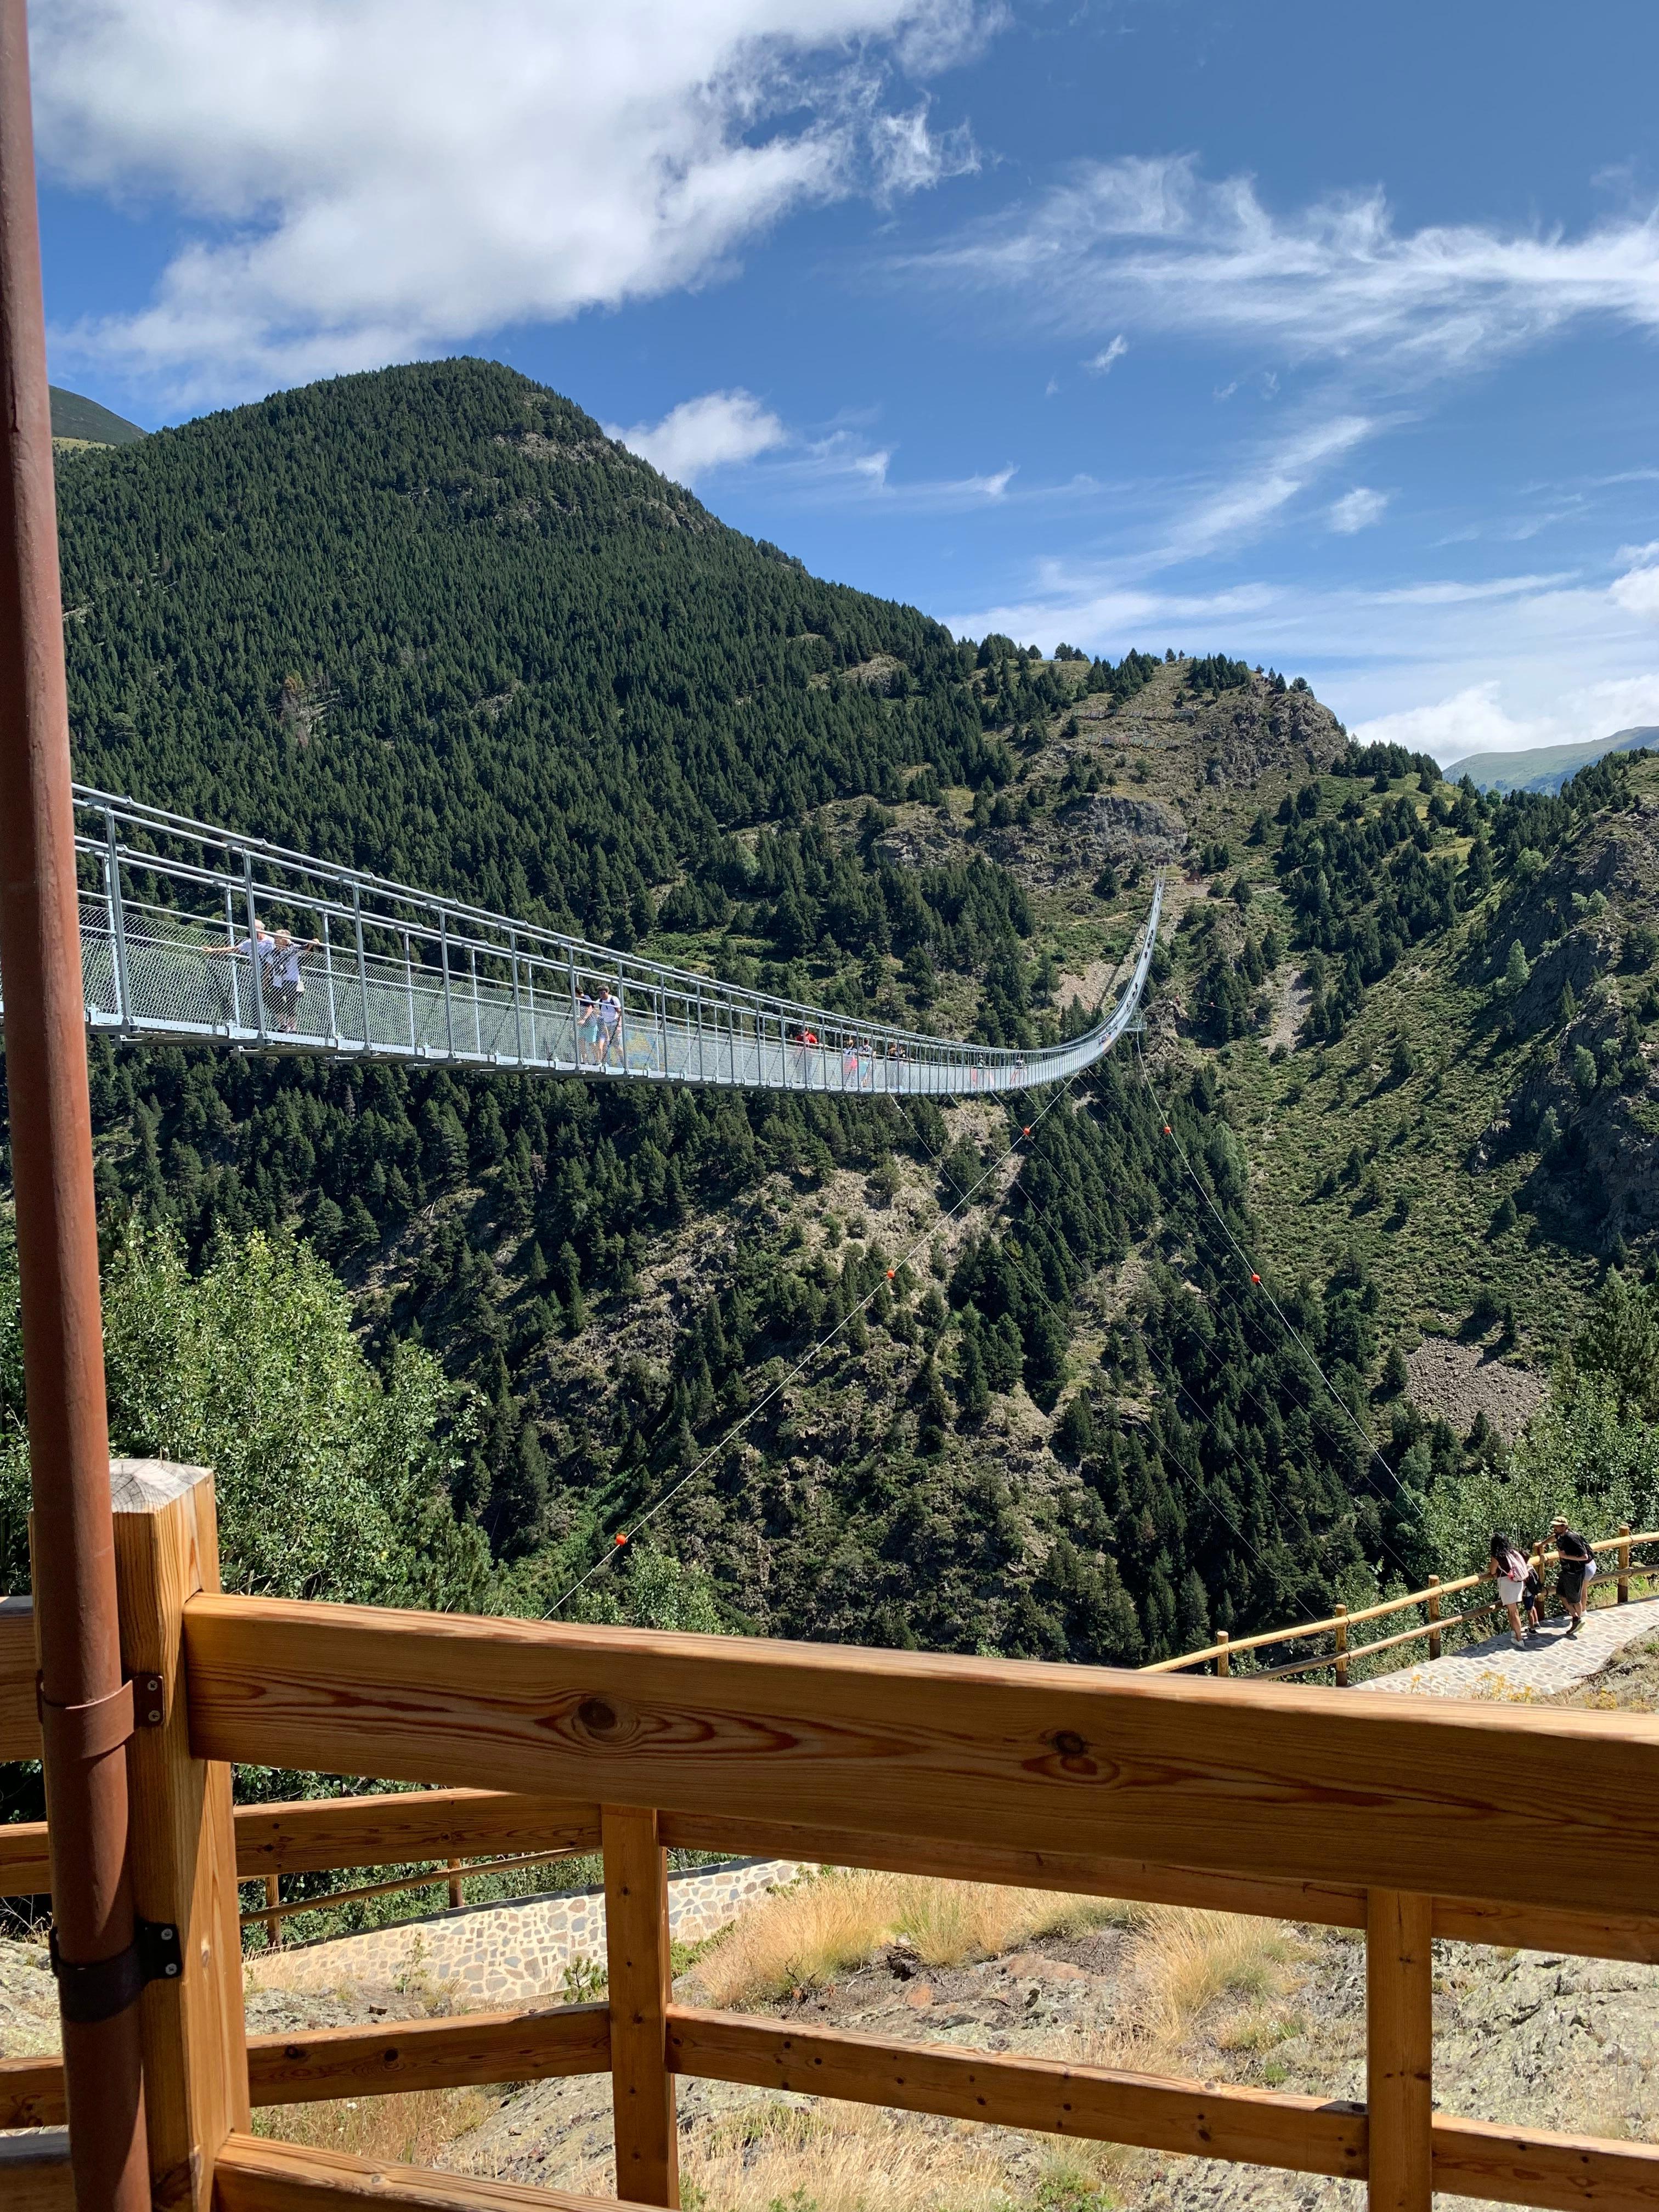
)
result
[(1321, 334)]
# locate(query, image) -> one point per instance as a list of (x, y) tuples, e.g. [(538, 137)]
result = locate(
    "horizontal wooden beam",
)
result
[(34, 2174), (252, 2175), (428, 2054), (367, 2061), (32, 2093), (1325, 1903), (1472, 2158), (20, 1721), (312, 1834), (1412, 1794), (1203, 2120), (1531, 1928), (25, 1867), (1530, 2166)]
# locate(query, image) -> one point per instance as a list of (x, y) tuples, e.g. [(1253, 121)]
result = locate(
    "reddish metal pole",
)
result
[(86, 1716)]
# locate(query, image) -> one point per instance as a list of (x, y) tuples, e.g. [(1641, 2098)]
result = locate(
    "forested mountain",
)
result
[(432, 622)]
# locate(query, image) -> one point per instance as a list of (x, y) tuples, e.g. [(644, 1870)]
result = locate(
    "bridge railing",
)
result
[(1395, 1817), (171, 911), (1432, 1629)]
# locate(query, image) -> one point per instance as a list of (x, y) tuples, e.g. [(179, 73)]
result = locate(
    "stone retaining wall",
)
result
[(502, 1953)]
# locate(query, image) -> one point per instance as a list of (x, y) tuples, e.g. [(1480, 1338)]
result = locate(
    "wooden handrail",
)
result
[(1026, 1755), (1100, 1782), (381, 2060), (1230, 1645)]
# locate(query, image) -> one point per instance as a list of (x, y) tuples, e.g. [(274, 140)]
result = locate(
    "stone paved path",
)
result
[(1550, 1662)]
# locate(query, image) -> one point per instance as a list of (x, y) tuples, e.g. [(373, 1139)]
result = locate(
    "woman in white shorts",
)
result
[(1506, 1564)]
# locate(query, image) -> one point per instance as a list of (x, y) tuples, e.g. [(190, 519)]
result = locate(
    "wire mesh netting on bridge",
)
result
[(192, 933)]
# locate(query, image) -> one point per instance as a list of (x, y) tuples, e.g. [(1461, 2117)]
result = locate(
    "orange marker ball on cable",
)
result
[(623, 1538)]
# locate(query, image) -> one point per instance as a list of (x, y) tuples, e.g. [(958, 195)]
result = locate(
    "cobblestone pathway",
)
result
[(1552, 1660)]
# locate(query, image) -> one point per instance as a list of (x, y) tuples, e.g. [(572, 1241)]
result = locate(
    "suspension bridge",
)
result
[(180, 944)]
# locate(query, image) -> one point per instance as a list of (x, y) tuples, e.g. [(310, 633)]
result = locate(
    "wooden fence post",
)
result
[(1339, 1614), (1623, 1563), (1223, 1657), (456, 1898), (1431, 1606), (272, 1923), (181, 1839), (1399, 2049), (636, 1948)]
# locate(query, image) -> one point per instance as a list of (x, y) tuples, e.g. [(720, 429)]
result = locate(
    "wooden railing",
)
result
[(1432, 1629), (1392, 1816)]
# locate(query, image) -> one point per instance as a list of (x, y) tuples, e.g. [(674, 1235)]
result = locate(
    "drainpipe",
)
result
[(86, 1710)]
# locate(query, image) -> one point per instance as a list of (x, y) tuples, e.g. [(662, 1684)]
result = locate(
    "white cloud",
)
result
[(1358, 510), (1475, 720), (908, 157), (1151, 240), (1230, 514), (1426, 682), (1101, 363), (708, 433), (370, 179), (1638, 590), (1471, 721)]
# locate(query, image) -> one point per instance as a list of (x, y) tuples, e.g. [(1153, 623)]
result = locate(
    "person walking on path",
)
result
[(1506, 1564), (1573, 1575)]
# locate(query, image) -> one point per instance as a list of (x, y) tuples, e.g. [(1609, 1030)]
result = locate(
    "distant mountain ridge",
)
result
[(87, 424), (1546, 767)]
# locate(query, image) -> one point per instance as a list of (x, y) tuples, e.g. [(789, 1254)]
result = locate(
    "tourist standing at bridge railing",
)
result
[(259, 952), (611, 1017), (588, 1027), (286, 983)]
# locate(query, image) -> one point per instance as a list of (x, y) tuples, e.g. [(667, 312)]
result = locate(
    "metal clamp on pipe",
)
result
[(100, 1988), (84, 1733)]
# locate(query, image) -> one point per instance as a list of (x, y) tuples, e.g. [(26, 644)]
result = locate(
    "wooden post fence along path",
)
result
[(1219, 1794), (183, 1840)]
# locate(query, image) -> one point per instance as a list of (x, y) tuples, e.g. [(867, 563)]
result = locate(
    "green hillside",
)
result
[(84, 422), (1544, 768), (432, 621)]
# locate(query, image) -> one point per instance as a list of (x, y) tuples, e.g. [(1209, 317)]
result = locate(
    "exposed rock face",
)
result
[(1124, 829)]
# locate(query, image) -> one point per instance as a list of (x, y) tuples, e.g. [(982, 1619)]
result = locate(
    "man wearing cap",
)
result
[(1576, 1564)]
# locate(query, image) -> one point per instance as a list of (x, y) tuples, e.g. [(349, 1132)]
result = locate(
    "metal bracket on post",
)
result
[(105, 1987)]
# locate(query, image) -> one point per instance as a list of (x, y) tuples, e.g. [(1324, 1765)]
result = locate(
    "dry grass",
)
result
[(1185, 1960), (414, 2128), (841, 2158), (802, 1937)]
